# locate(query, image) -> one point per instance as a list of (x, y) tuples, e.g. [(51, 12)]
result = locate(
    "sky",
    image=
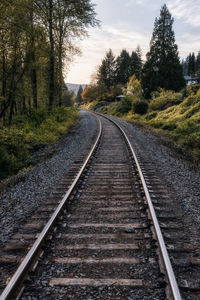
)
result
[(128, 23)]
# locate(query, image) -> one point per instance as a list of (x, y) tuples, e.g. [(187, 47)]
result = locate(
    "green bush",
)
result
[(30, 133), (140, 107), (151, 116), (99, 104), (8, 162), (126, 105), (192, 89), (165, 99), (169, 126)]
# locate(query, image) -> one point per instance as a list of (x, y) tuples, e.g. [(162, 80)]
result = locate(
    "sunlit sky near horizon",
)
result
[(128, 23)]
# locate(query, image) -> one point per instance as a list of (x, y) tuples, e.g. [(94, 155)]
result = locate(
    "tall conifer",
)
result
[(122, 67), (106, 71), (162, 68), (79, 99)]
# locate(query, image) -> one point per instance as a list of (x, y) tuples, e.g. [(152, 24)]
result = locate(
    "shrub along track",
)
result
[(104, 245)]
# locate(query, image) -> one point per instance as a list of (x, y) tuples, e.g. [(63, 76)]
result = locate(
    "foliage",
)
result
[(180, 122), (191, 65), (115, 109), (140, 107), (106, 71), (135, 65), (37, 38), (128, 65), (122, 67), (134, 88), (79, 99), (94, 92), (192, 89), (29, 133), (162, 68), (164, 99)]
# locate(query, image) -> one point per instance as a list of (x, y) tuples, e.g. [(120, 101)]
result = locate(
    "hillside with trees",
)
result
[(152, 93)]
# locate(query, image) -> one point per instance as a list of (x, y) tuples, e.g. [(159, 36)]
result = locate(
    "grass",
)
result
[(29, 133), (180, 123)]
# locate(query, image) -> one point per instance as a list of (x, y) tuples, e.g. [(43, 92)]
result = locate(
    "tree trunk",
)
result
[(60, 75), (33, 70), (4, 84), (24, 104), (34, 87), (11, 112), (29, 102), (51, 58), (3, 74)]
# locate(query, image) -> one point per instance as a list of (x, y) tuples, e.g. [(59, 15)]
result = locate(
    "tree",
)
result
[(198, 64), (37, 37), (134, 88), (162, 68), (63, 20), (122, 67), (95, 92), (106, 71), (72, 20), (79, 99), (135, 66), (191, 64)]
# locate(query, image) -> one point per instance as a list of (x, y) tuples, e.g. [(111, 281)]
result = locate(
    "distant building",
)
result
[(191, 80)]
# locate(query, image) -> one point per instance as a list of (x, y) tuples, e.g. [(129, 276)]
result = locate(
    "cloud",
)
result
[(116, 37), (187, 10), (146, 3), (188, 43), (132, 2)]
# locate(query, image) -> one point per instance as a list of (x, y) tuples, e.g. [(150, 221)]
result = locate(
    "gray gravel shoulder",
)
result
[(32, 187), (176, 173)]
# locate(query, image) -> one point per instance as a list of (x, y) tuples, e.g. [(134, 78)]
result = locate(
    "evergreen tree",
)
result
[(135, 63), (184, 64), (79, 99), (191, 64), (106, 71), (198, 64), (122, 67), (162, 68)]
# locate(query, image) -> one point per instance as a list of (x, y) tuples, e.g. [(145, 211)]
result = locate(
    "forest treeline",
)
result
[(191, 65), (152, 93), (162, 68), (36, 43)]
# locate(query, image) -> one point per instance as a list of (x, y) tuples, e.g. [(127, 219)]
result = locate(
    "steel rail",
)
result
[(24, 268), (169, 270)]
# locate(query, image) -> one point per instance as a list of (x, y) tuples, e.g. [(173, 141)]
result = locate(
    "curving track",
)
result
[(103, 245)]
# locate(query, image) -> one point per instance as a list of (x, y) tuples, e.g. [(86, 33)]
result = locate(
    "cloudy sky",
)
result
[(128, 23)]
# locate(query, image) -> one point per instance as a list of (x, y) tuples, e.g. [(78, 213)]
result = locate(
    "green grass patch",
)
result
[(180, 123), (175, 119), (165, 99), (29, 133)]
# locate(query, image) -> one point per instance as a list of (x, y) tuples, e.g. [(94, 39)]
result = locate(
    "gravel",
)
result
[(176, 173), (19, 200), (30, 188)]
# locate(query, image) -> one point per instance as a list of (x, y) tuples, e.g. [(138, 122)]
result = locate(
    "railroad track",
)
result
[(103, 240)]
